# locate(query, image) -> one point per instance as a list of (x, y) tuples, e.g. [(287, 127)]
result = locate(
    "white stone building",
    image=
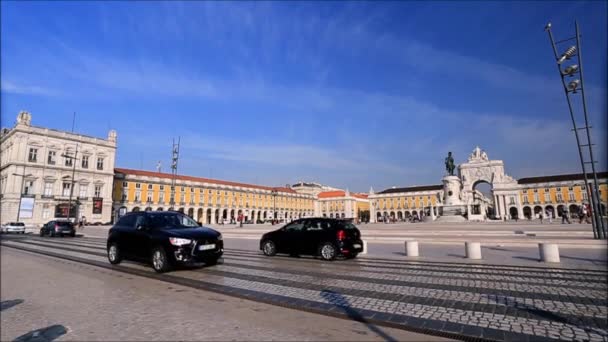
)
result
[(41, 167)]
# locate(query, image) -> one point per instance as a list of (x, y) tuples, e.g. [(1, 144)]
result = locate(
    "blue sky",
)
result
[(352, 94)]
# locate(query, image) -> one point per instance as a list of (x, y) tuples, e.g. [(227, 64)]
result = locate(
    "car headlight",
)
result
[(179, 241), (220, 237)]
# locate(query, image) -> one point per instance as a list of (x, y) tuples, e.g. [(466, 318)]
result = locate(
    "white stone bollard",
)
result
[(364, 251), (411, 248), (549, 252), (472, 250)]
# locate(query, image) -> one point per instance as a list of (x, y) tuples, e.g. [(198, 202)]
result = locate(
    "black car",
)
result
[(60, 228), (324, 237), (164, 239)]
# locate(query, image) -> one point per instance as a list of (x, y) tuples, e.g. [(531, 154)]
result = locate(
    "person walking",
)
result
[(550, 215), (565, 217), (540, 216)]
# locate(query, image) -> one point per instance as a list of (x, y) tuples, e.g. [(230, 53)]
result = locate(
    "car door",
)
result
[(289, 241), (311, 237), (141, 237), (124, 231)]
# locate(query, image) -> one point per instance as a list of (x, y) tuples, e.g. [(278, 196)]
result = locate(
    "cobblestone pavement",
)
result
[(456, 300)]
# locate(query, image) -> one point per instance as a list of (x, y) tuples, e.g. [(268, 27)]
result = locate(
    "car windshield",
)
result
[(170, 221), (63, 224), (347, 226)]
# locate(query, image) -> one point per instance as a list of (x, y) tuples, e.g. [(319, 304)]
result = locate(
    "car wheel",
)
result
[(269, 248), (114, 254), (327, 251), (160, 263)]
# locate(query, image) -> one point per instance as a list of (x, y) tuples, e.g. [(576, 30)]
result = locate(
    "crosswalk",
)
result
[(462, 301)]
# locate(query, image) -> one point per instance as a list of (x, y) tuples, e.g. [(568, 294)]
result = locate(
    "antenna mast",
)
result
[(174, 160)]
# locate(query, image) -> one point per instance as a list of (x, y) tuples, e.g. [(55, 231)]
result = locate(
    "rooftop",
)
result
[(199, 179), (560, 178), (412, 188)]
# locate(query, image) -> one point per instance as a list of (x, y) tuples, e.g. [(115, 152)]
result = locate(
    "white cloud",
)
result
[(10, 87)]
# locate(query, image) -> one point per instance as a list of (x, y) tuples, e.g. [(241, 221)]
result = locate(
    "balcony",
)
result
[(48, 196)]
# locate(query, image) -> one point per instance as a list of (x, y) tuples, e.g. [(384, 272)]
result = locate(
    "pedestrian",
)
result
[(540, 216), (550, 216), (565, 216), (582, 213)]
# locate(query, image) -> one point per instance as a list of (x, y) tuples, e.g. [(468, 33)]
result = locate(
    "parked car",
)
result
[(324, 237), (57, 227), (164, 239), (13, 227)]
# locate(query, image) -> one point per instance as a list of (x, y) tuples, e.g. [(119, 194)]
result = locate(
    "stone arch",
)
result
[(199, 215), (537, 211), (181, 210), (216, 214), (513, 212), (209, 215), (560, 210), (573, 208), (527, 212), (148, 209), (135, 209), (342, 215), (550, 211), (225, 214), (160, 209), (191, 213), (399, 215)]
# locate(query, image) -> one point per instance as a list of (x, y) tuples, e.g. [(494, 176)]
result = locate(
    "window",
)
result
[(162, 188), (48, 189), (571, 195), (546, 189), (52, 159), (295, 227), (127, 221), (512, 200), (559, 197), (191, 189), (547, 196), (97, 192), (85, 162), (137, 196), (137, 185), (149, 199), (161, 197), (585, 196), (28, 187), (66, 189), (100, 163), (123, 197), (33, 156), (83, 191), (46, 211), (182, 198), (149, 186), (68, 159)]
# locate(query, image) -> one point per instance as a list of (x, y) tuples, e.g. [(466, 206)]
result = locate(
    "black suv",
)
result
[(164, 239), (61, 228), (324, 237)]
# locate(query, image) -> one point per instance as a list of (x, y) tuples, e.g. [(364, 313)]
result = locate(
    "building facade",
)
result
[(311, 188), (342, 204), (208, 201), (41, 169), (550, 196)]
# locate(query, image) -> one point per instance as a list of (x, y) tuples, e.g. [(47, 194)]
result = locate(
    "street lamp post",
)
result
[(599, 229), (22, 175), (274, 203), (72, 181)]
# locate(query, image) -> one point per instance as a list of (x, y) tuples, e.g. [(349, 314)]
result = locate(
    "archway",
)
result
[(265, 213), (199, 215), (392, 215), (181, 210), (159, 209), (342, 215), (208, 220), (191, 213), (399, 216), (331, 215), (232, 218), (513, 212), (573, 210), (560, 210), (225, 214), (217, 215), (135, 209), (527, 212), (253, 216), (537, 211), (550, 211)]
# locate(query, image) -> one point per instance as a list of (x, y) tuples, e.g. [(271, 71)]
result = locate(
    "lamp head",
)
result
[(573, 85), (570, 70), (567, 54)]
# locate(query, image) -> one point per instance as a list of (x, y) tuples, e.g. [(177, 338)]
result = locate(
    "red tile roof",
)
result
[(339, 193), (199, 179)]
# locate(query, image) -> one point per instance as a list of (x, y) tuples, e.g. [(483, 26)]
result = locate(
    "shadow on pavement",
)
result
[(594, 261), (7, 304), (339, 301), (526, 258), (49, 333)]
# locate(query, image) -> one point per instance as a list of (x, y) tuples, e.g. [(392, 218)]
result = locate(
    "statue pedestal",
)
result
[(454, 208)]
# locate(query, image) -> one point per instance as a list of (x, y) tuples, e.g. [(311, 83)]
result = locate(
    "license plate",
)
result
[(356, 245), (206, 247)]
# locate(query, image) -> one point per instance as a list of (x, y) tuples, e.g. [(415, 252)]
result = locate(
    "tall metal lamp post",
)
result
[(23, 176), (73, 159), (585, 149), (274, 203)]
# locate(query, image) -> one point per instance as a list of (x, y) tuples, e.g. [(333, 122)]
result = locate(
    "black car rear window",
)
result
[(64, 224)]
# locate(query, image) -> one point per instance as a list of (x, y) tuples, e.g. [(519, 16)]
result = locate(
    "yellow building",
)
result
[(342, 204), (402, 203), (551, 195), (206, 200)]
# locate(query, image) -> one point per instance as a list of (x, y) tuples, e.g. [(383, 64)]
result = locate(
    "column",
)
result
[(505, 206), (213, 216), (496, 206)]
